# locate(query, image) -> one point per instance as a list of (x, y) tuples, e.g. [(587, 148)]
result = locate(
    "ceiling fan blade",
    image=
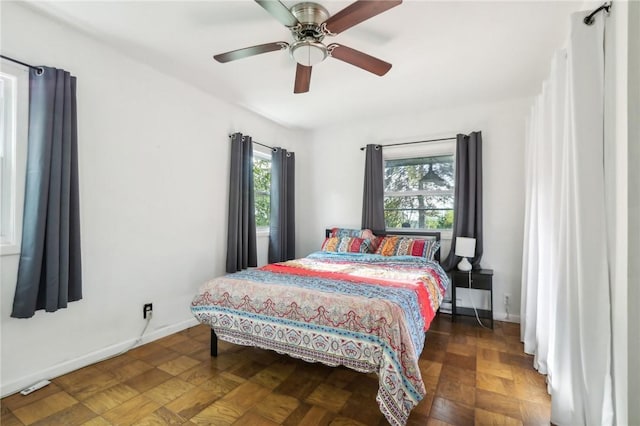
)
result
[(357, 12), (359, 59), (303, 79), (279, 11), (250, 51)]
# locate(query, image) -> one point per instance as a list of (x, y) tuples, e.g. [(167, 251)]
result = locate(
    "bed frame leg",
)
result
[(214, 343)]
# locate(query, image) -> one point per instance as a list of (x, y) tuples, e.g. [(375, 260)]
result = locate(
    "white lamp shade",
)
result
[(465, 247)]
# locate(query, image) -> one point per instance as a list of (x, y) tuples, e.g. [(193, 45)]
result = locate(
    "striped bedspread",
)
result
[(364, 311)]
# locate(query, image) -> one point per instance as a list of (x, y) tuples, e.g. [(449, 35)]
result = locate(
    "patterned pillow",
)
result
[(347, 245), (366, 234), (406, 246)]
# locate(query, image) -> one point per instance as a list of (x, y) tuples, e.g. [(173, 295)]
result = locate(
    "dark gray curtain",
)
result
[(373, 196), (282, 223), (467, 217), (50, 272), (241, 236)]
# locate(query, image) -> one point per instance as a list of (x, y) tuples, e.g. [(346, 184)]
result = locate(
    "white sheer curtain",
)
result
[(565, 313)]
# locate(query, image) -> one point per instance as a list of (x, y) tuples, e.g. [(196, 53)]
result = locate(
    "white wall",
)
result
[(334, 187), (633, 271), (153, 201)]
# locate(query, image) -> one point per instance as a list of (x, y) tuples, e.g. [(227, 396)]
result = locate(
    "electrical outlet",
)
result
[(507, 297), (147, 309)]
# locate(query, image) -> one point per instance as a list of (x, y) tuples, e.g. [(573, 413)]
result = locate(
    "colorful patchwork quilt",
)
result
[(364, 311)]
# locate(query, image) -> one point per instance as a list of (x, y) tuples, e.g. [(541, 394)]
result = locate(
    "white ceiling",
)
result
[(444, 53)]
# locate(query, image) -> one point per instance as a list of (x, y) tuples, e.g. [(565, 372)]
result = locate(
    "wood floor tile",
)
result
[(276, 407), (458, 375), (345, 421), (484, 417), (75, 415), (488, 355), (365, 386), (496, 384), (247, 369), (246, 395), (115, 362), (97, 421), (429, 368), (131, 369), (147, 380), (8, 419), (160, 417), (329, 397), (436, 422), (131, 411), (341, 377), (461, 361), (461, 349), (452, 412), (83, 383), (456, 391), (159, 356), (317, 416), (168, 391), (535, 414), (105, 400), (219, 413), (192, 402), (254, 419), (17, 400), (472, 376), (220, 385), (495, 368), (188, 347), (273, 375), (494, 402), (424, 406), (297, 386), (44, 407), (359, 409), (178, 365)]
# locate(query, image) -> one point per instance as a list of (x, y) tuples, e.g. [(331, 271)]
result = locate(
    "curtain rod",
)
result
[(411, 143), (606, 6), (261, 144), (39, 70)]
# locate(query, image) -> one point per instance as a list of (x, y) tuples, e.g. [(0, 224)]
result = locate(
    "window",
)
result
[(262, 189), (418, 192), (13, 142)]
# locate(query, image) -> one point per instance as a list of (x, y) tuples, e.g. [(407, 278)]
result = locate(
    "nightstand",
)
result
[(481, 279)]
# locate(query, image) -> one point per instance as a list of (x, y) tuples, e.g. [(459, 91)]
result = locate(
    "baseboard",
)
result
[(91, 358)]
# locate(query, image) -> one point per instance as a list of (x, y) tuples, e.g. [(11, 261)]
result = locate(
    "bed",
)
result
[(342, 305)]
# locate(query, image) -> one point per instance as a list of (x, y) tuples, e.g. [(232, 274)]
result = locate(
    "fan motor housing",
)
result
[(311, 16)]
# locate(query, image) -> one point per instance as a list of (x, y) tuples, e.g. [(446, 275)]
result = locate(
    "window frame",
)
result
[(264, 154), (15, 149), (430, 149)]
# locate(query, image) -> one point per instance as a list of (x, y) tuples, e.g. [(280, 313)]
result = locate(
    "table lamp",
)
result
[(465, 247)]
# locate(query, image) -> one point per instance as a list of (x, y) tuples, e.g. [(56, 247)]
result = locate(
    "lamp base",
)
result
[(464, 265)]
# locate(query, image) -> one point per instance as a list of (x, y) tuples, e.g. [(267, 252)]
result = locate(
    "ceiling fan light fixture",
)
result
[(308, 52)]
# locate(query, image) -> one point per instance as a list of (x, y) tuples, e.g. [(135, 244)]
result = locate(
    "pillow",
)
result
[(366, 234), (407, 246), (347, 245)]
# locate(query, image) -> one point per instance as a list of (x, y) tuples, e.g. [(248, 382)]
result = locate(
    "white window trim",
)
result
[(428, 149), (18, 151), (265, 154)]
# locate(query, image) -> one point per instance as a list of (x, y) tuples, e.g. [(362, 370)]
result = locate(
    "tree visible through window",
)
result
[(262, 189), (418, 193)]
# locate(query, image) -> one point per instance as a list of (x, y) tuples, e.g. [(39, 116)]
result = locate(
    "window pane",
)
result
[(419, 193), (262, 191)]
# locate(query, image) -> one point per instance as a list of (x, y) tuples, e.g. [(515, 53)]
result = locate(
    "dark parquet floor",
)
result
[(472, 375)]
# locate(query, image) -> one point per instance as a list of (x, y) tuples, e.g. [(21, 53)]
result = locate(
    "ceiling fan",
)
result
[(309, 23)]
